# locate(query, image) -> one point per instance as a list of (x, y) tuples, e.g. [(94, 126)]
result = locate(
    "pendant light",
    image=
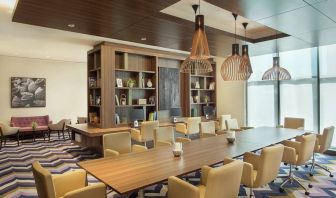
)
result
[(276, 72), (245, 64), (231, 66), (198, 62)]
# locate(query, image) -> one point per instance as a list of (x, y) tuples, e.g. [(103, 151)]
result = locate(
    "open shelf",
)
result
[(137, 71)]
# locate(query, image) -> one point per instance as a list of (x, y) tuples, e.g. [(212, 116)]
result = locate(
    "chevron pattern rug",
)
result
[(16, 179)]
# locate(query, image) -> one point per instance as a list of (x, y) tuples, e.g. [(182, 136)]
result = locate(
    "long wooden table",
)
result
[(129, 172)]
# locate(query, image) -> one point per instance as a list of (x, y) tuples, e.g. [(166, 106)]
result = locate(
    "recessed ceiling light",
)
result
[(71, 25), (143, 38)]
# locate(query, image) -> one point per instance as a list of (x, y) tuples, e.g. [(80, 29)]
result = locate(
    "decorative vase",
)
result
[(149, 83)]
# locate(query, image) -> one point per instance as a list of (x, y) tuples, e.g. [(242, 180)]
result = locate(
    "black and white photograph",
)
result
[(28, 92)]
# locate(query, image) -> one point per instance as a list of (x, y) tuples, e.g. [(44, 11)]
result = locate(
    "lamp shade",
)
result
[(230, 69), (245, 64), (200, 47), (276, 72), (196, 66)]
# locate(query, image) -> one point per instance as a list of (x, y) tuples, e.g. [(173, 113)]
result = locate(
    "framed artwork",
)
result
[(119, 82), (28, 92), (169, 81)]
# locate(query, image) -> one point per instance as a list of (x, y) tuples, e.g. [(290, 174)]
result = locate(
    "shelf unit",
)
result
[(202, 92)]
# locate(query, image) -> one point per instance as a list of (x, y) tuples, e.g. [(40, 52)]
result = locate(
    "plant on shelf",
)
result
[(130, 82), (34, 125), (206, 99)]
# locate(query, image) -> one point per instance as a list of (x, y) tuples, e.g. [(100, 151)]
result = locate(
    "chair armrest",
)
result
[(12, 124), (96, 190), (236, 130), (204, 176), (227, 160), (163, 143), (111, 153), (136, 135), (292, 144), (205, 135), (69, 181), (247, 176), (138, 148), (253, 159), (181, 189), (181, 127), (182, 140), (289, 155)]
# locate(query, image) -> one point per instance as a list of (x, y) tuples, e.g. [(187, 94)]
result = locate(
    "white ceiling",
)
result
[(218, 18), (23, 40)]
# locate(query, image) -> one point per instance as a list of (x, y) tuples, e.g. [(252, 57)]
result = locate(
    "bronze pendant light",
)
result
[(198, 62), (245, 64), (231, 67), (276, 72)]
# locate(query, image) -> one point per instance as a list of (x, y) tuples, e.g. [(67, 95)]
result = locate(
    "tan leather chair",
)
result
[(322, 144), (221, 182), (232, 125), (208, 129), (164, 136), (190, 127), (146, 132), (68, 185), (60, 126), (5, 131), (297, 153), (294, 123), (221, 124), (262, 169), (115, 144)]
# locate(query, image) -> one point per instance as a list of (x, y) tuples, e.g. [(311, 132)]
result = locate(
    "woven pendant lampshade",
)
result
[(235, 68), (197, 62), (245, 64), (276, 72)]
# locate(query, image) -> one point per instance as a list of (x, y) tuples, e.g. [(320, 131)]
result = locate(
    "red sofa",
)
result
[(25, 123)]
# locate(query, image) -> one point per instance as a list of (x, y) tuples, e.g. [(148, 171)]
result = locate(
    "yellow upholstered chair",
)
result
[(322, 144), (294, 123), (190, 127), (68, 185), (221, 182), (232, 125), (146, 132), (115, 144), (262, 169), (164, 136), (298, 153), (221, 124), (208, 129), (5, 131), (60, 126)]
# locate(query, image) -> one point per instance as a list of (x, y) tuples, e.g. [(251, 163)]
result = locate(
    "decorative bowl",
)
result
[(177, 153), (231, 140)]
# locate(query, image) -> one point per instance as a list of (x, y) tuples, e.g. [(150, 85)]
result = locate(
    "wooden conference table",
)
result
[(130, 172)]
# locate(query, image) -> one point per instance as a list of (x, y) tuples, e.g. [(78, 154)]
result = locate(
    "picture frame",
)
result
[(119, 82), (212, 86)]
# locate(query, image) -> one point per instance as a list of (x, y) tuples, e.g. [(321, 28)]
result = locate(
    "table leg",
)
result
[(141, 193)]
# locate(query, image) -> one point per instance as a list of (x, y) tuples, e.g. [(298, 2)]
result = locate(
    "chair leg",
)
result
[(69, 134), (63, 135), (251, 192), (5, 141), (291, 178), (1, 142), (18, 138), (49, 135), (58, 134)]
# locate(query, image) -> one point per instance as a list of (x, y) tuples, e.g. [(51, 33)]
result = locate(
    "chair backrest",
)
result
[(147, 129), (27, 121), (326, 140), (164, 134), (208, 127), (294, 123), (232, 124), (224, 181), (306, 149), (3, 128), (120, 142), (43, 181), (222, 120), (193, 125), (81, 120), (269, 164)]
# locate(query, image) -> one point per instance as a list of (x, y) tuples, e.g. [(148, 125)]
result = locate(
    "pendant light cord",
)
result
[(276, 43), (235, 30)]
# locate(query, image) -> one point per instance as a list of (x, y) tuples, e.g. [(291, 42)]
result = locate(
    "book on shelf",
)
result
[(152, 116)]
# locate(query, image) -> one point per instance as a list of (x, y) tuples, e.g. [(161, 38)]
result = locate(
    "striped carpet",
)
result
[(16, 179)]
